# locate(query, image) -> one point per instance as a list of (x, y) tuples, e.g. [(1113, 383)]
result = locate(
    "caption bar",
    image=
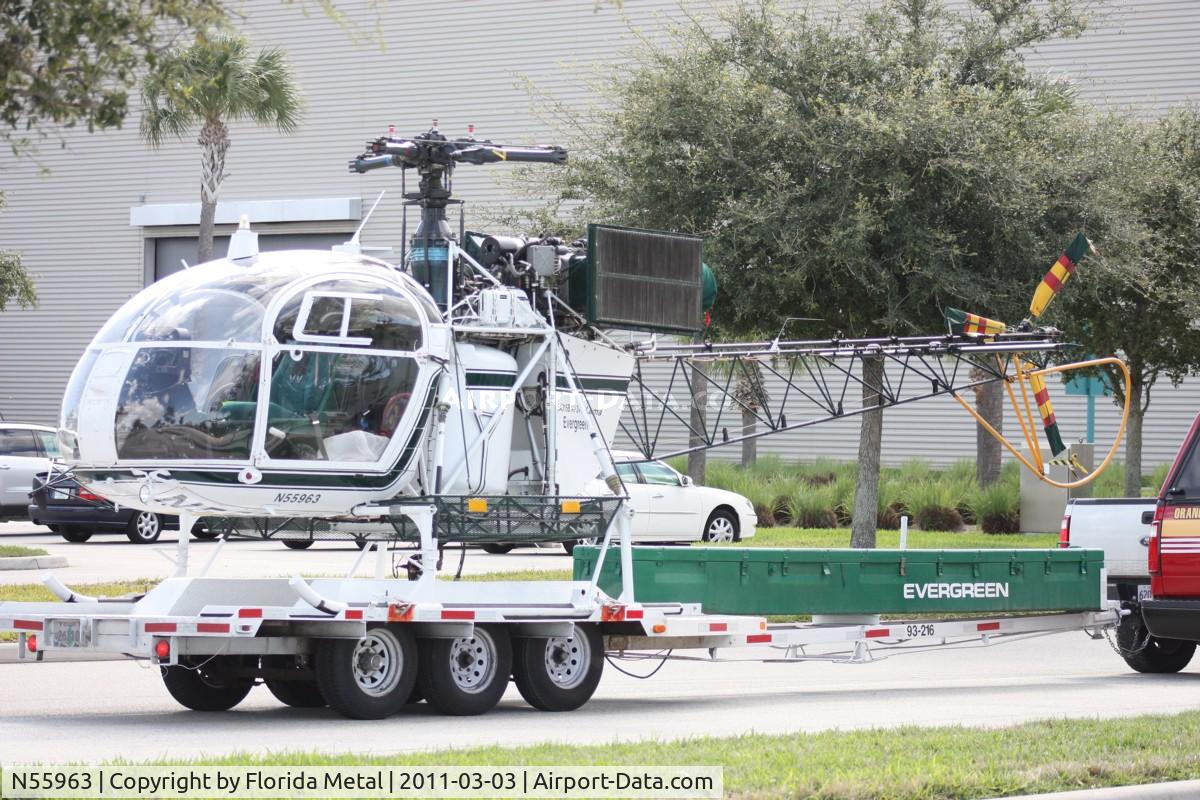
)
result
[(300, 782)]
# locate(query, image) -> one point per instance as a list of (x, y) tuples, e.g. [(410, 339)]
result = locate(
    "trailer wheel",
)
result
[(559, 673), (371, 677), (1159, 656), (497, 548), (297, 694), (208, 686), (466, 676), (297, 544)]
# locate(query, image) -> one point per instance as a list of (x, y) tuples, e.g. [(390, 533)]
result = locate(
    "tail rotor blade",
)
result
[(1059, 274), (1041, 396)]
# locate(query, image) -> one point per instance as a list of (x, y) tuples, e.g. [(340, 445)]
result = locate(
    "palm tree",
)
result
[(213, 82)]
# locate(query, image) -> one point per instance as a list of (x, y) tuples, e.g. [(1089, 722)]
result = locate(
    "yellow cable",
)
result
[(1030, 435), (1035, 449), (1037, 470)]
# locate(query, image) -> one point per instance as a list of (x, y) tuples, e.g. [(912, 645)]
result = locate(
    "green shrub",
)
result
[(843, 499), (998, 508), (1111, 482), (934, 506), (722, 475), (962, 470), (915, 471), (890, 504), (1010, 474), (679, 464), (812, 507), (1156, 478)]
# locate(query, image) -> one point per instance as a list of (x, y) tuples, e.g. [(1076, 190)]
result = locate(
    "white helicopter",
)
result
[(316, 383), (475, 377)]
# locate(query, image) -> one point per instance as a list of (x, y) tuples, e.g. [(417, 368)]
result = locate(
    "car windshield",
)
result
[(50, 444), (658, 473)]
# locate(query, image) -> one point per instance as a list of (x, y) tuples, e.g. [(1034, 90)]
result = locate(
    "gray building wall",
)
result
[(404, 63)]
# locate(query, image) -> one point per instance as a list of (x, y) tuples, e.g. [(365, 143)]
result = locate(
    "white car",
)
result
[(669, 507), (25, 450)]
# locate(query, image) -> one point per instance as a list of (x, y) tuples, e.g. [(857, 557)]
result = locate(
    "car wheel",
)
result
[(202, 531), (73, 534), (495, 548), (1156, 656), (721, 527), (297, 544), (144, 527)]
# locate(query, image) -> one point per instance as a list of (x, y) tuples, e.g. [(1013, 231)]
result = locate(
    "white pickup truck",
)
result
[(1122, 528)]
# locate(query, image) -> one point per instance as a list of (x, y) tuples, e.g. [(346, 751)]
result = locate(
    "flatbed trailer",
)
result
[(368, 646)]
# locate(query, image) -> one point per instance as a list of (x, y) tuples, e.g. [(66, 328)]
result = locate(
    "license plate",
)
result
[(919, 631), (66, 633), (60, 494), (1144, 593)]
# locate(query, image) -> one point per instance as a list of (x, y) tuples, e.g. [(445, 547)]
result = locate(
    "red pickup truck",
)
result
[(1162, 633)]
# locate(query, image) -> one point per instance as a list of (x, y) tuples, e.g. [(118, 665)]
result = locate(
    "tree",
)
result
[(211, 83), (67, 64), (866, 172), (73, 63), (1139, 298)]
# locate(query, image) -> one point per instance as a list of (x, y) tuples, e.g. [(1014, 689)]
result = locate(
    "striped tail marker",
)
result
[(1041, 396), (964, 322), (1060, 273)]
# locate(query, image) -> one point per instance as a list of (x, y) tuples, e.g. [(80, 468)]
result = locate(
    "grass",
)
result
[(926, 540), (37, 593), (12, 550), (896, 764)]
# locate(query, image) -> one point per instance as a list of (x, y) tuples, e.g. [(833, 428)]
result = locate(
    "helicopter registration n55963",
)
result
[(297, 498)]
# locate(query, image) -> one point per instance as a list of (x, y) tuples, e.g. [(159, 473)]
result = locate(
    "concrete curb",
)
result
[(1173, 790), (33, 562)]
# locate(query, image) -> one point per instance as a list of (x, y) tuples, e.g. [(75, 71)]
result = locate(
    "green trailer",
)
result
[(771, 581)]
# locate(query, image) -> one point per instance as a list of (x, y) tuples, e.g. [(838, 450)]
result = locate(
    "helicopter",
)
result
[(317, 382), (475, 376)]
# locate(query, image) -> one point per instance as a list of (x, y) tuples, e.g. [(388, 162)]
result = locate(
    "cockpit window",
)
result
[(336, 406), (227, 310), (350, 312), (184, 402)]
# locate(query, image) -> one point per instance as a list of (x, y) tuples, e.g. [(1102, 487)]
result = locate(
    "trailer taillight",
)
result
[(162, 649), (1064, 533), (31, 643)]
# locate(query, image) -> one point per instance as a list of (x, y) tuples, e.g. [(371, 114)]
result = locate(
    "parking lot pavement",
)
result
[(109, 557)]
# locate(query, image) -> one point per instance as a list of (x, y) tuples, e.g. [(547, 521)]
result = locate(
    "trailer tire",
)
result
[(559, 674), (204, 687), (297, 544), (497, 548), (297, 694), (1159, 656), (466, 676), (371, 677)]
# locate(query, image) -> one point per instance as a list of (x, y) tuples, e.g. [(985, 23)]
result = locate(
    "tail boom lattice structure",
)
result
[(823, 380)]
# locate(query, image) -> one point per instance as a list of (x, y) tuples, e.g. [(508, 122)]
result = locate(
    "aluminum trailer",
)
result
[(367, 646)]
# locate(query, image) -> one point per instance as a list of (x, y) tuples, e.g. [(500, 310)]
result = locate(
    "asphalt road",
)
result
[(102, 710), (60, 711)]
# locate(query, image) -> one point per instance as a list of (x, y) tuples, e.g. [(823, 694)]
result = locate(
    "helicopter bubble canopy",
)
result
[(303, 379)]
